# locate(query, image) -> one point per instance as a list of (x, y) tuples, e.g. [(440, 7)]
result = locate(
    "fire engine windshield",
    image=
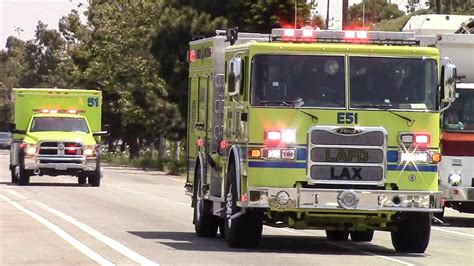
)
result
[(310, 80), (67, 124), (460, 115), (393, 83)]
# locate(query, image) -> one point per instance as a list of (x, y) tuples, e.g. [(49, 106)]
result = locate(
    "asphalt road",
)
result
[(144, 217)]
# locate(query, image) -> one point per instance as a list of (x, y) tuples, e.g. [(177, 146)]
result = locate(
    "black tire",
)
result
[(439, 215), (245, 230), (205, 223), (24, 178), (13, 175), (221, 228), (82, 180), (413, 233), (94, 178), (333, 235), (362, 236)]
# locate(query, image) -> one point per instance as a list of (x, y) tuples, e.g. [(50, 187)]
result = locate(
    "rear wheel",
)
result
[(362, 236), (244, 230), (82, 180), (413, 233), (333, 235), (205, 223)]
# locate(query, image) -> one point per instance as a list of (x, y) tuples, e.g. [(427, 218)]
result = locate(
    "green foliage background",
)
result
[(135, 52)]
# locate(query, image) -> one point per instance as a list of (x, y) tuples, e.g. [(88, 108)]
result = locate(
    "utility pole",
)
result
[(439, 6), (296, 11), (345, 14), (327, 17)]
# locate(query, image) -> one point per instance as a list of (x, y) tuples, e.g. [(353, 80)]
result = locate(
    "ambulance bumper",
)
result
[(340, 199)]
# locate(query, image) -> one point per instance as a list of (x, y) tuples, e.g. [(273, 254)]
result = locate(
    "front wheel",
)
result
[(24, 176), (14, 174), (94, 178), (205, 223), (413, 233), (241, 229)]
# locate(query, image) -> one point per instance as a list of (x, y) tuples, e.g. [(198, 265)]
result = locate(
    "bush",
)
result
[(176, 167), (145, 161)]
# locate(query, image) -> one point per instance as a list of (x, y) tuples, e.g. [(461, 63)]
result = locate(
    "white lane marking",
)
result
[(61, 233), (144, 194), (452, 232), (288, 230), (117, 246), (372, 254), (16, 194), (355, 249)]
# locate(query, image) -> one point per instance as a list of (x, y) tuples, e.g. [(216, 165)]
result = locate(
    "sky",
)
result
[(335, 11), (20, 17), (25, 14)]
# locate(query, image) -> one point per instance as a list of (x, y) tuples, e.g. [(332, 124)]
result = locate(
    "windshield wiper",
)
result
[(293, 104), (386, 107), (281, 103)]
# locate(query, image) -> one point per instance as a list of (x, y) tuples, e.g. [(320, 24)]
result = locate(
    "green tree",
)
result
[(372, 12), (115, 56), (10, 69), (459, 7)]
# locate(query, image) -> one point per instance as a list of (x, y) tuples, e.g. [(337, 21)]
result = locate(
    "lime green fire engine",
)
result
[(307, 129)]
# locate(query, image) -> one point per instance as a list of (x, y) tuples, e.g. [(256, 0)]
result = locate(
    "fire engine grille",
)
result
[(347, 155), (60, 148), (338, 137)]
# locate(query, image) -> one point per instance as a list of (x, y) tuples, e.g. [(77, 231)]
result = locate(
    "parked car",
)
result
[(5, 140)]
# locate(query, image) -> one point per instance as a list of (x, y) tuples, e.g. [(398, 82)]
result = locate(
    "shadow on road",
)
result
[(467, 222), (270, 244), (43, 184)]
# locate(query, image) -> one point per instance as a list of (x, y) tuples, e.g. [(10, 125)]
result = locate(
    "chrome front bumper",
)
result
[(340, 199), (61, 163), (458, 193)]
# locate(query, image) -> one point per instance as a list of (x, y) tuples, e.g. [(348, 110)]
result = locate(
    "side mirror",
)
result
[(100, 134), (234, 79), (448, 85), (12, 128)]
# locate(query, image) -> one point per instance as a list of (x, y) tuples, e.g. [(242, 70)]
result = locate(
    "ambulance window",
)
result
[(67, 124)]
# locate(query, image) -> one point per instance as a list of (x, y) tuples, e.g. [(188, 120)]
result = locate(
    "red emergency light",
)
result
[(308, 34), (57, 111)]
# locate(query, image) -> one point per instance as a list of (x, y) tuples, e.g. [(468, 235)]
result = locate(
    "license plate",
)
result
[(348, 173)]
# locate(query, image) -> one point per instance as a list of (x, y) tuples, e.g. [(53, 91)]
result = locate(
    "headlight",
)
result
[(455, 179), (279, 154), (89, 150), (30, 149), (415, 157)]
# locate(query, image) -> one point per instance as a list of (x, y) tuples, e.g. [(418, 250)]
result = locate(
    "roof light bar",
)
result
[(339, 36), (58, 111)]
